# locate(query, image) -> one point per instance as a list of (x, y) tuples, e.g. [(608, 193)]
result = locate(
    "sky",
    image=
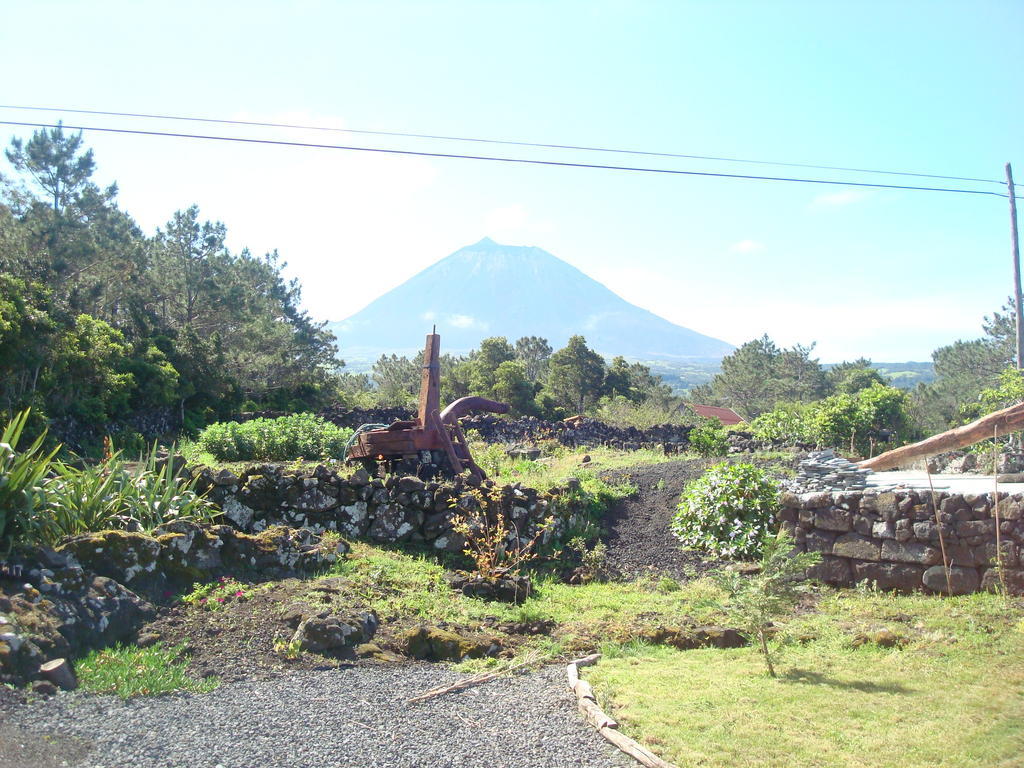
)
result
[(930, 87)]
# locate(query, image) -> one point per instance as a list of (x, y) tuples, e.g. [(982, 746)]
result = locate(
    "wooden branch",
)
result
[(483, 677), (1007, 420)]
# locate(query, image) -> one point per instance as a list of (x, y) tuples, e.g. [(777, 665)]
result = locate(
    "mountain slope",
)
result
[(488, 289)]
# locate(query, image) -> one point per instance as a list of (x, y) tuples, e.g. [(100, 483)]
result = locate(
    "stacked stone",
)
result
[(364, 507), (824, 471), (892, 539)]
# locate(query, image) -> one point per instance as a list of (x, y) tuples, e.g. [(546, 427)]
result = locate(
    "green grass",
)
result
[(408, 588), (130, 671), (951, 695)]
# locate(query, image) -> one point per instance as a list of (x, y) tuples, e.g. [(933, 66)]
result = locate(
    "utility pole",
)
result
[(1015, 249)]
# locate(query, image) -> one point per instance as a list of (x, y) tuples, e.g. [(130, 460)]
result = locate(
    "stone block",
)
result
[(886, 503), (862, 524), (832, 570), (962, 580), (833, 519), (903, 578), (977, 528), (855, 546), (903, 530), (820, 541), (910, 552), (1012, 577), (883, 530)]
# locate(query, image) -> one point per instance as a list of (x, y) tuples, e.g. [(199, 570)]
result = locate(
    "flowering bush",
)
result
[(217, 594), (728, 511)]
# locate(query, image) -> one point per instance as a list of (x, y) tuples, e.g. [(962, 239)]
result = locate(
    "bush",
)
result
[(728, 511), (709, 438), (300, 436), (787, 423)]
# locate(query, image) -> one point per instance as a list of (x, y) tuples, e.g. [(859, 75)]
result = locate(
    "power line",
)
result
[(506, 142), (489, 158)]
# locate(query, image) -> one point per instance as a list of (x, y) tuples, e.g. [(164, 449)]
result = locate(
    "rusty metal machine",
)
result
[(431, 444)]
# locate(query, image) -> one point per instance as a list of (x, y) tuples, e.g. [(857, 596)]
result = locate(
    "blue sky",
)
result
[(931, 86)]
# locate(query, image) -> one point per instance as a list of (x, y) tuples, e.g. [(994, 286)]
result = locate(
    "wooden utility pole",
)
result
[(1015, 249)]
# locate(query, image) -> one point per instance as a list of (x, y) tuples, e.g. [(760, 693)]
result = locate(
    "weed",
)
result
[(290, 649)]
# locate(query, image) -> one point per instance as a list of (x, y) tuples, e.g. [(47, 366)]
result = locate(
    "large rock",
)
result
[(963, 580), (902, 578), (857, 547), (435, 644), (328, 633)]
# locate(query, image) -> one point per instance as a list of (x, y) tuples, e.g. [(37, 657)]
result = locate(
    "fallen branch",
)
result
[(1007, 420), (483, 677)]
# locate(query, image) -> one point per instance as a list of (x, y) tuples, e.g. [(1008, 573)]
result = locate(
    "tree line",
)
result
[(99, 322)]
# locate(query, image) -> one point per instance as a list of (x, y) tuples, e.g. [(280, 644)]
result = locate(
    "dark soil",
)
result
[(637, 530)]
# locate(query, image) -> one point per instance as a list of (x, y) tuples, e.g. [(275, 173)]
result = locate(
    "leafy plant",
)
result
[(593, 560), (727, 511), (756, 600), (494, 545), (111, 495), (299, 436), (709, 438), (290, 649), (22, 484)]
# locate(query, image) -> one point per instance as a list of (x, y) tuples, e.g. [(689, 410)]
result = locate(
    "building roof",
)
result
[(726, 416)]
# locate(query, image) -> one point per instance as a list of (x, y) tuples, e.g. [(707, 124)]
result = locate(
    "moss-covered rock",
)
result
[(125, 556), (436, 644)]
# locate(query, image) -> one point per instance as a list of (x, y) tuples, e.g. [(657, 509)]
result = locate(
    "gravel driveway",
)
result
[(345, 717)]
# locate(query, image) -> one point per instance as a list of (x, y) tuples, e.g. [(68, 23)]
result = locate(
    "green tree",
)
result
[(534, 353), (397, 378), (759, 374), (756, 601), (55, 163), (575, 375), (512, 386)]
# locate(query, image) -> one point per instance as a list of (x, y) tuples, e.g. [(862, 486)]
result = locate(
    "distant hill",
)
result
[(488, 289)]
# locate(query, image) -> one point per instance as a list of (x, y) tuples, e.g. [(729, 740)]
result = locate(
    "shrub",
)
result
[(709, 438), (727, 511), (495, 546), (22, 484), (299, 436)]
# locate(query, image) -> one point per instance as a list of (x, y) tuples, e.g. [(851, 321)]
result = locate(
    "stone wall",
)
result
[(393, 510), (892, 538)]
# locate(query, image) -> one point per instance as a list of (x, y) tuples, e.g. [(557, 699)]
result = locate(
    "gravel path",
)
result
[(346, 717)]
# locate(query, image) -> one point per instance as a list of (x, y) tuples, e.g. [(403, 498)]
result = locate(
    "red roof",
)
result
[(725, 415)]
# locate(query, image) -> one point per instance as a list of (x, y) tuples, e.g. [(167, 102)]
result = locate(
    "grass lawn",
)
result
[(951, 694)]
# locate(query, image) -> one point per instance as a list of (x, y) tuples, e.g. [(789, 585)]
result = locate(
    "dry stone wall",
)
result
[(892, 538), (403, 509)]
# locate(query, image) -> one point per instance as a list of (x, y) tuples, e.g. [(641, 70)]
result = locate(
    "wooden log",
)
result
[(587, 661), (60, 673), (1007, 420), (595, 715), (643, 756), (573, 673), (583, 690)]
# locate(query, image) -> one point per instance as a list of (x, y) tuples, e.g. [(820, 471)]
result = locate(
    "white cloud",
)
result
[(465, 321), (747, 246), (846, 197)]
